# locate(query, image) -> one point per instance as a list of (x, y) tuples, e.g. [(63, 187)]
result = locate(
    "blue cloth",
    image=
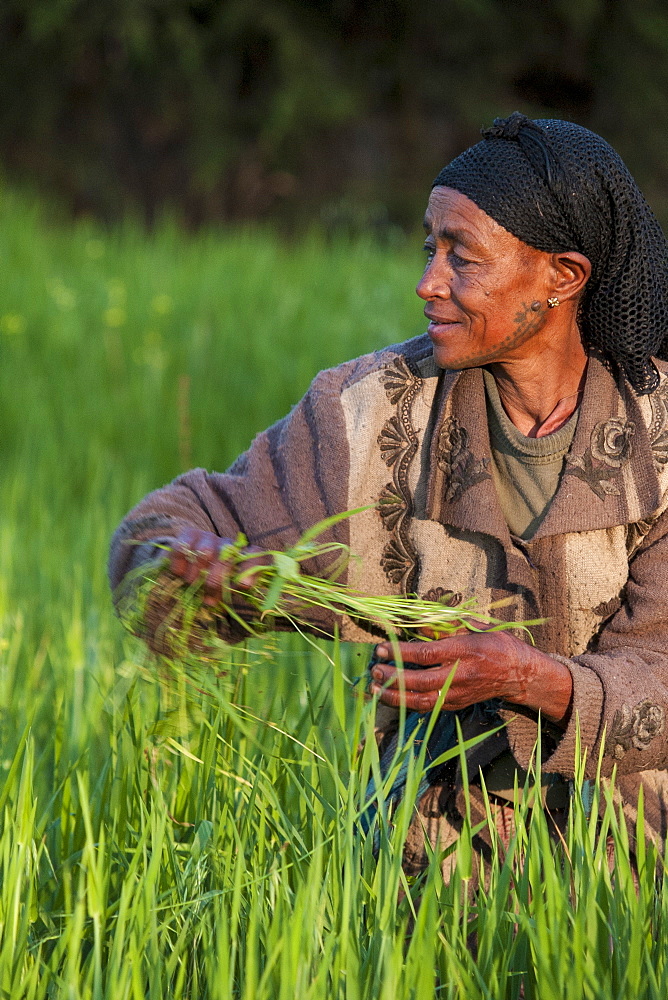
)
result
[(443, 737)]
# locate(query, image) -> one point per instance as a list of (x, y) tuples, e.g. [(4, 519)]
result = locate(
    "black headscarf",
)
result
[(559, 187)]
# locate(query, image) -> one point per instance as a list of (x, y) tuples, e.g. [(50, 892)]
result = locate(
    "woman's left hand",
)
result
[(489, 665)]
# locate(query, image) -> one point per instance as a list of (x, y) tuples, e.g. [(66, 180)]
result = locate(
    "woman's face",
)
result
[(480, 283)]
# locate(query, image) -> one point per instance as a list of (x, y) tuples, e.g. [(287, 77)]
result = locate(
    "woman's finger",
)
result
[(182, 550), (217, 576), (223, 570), (437, 653), (424, 654), (412, 680), (204, 555), (414, 701), (248, 569), (193, 553)]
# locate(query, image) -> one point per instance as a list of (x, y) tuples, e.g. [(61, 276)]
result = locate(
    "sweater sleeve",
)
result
[(292, 476), (620, 685)]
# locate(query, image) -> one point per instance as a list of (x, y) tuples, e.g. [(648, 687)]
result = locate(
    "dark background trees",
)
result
[(295, 110)]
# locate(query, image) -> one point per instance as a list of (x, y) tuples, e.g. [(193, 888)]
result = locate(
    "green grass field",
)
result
[(160, 841)]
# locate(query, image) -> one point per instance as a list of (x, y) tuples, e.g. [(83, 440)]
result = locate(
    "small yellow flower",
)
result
[(162, 304), (115, 316), (12, 324), (151, 353), (63, 296), (117, 293), (95, 249)]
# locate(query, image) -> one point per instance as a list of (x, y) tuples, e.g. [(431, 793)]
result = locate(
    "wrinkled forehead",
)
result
[(453, 217)]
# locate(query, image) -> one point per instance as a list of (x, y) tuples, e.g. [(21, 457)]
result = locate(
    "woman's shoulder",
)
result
[(410, 356)]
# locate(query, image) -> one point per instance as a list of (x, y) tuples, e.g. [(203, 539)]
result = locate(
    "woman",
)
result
[(518, 450)]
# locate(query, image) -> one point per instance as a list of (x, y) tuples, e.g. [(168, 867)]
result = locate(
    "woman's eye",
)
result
[(455, 259)]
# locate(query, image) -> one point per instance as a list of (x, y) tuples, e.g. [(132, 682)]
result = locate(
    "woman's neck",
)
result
[(540, 393)]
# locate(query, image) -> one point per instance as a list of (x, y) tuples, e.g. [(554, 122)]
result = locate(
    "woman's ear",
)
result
[(572, 271)]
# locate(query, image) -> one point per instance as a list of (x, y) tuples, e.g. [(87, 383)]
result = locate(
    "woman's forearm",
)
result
[(543, 684)]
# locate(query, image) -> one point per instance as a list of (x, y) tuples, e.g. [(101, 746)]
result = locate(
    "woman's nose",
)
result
[(434, 283)]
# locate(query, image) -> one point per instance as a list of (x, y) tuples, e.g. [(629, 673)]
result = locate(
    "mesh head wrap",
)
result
[(559, 187)]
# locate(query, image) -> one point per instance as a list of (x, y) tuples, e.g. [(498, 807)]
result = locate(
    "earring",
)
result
[(535, 306), (552, 302)]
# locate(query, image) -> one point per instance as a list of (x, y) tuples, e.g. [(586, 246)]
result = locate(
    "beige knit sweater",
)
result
[(391, 429)]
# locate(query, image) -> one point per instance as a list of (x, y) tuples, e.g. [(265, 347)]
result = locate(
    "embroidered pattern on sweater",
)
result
[(658, 428), (439, 595), (393, 441), (455, 459), (636, 532), (610, 448), (398, 443), (391, 506), (606, 609), (635, 728)]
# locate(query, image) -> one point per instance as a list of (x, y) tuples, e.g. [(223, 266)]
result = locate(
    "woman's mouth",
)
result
[(438, 327)]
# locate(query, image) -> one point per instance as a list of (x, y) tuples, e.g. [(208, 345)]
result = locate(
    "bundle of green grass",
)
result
[(275, 593)]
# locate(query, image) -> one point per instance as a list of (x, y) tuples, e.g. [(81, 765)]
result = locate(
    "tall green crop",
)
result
[(157, 841)]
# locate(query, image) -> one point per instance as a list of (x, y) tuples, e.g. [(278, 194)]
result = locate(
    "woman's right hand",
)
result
[(196, 555)]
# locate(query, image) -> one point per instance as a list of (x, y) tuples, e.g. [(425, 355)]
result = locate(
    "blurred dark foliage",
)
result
[(339, 110)]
